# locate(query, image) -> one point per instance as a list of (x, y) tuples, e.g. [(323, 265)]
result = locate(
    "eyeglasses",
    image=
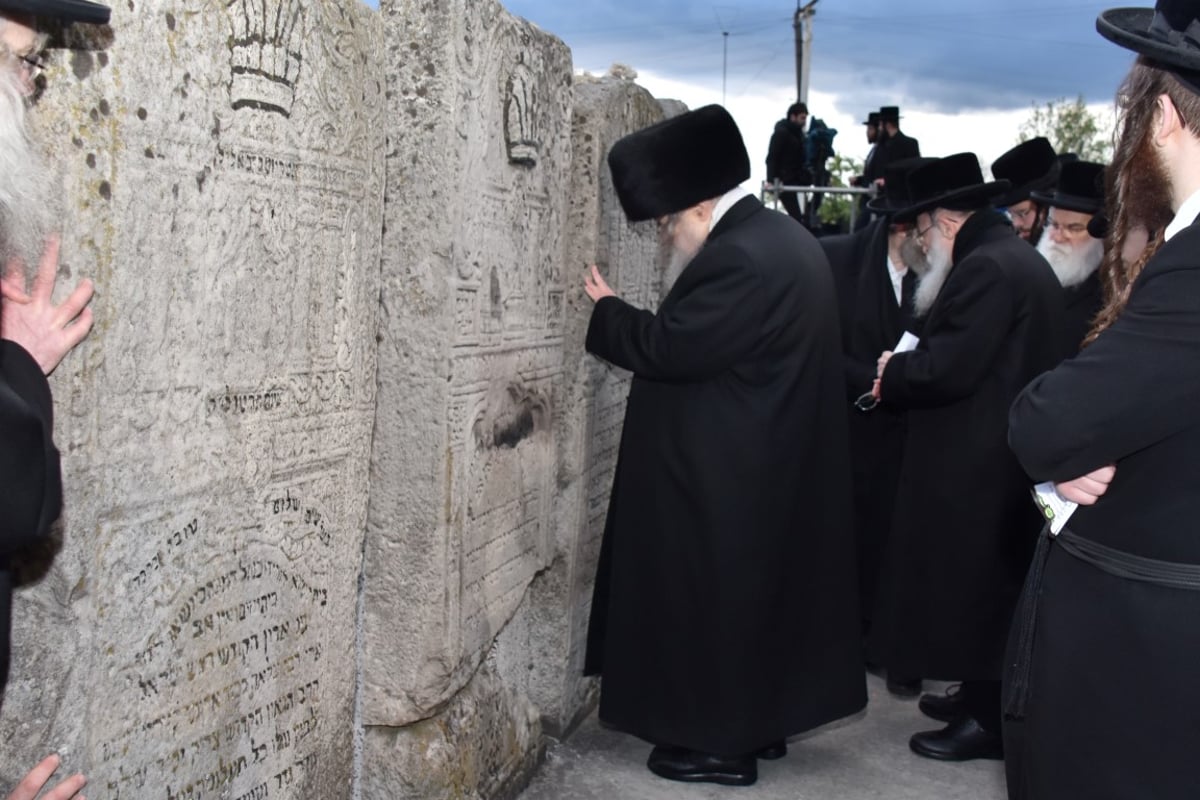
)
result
[(32, 64), (1021, 215), (866, 401), (1074, 229), (916, 230)]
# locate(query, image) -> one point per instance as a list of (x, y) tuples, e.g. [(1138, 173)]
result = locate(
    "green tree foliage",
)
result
[(1071, 128), (835, 208)]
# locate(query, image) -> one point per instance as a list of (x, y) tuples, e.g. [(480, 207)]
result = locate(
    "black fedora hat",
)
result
[(1166, 33), (895, 195), (1080, 188), (678, 163), (889, 114), (953, 182), (1030, 166), (872, 118), (64, 10)]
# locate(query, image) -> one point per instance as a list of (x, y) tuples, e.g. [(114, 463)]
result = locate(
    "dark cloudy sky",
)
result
[(937, 55)]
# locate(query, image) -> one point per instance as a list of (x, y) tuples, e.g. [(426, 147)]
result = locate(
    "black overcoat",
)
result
[(901, 146), (964, 524), (872, 322), (724, 615), (1080, 305), (30, 481), (1113, 709)]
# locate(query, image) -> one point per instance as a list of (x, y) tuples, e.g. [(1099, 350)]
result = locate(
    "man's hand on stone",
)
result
[(595, 285), (48, 332), (40, 775)]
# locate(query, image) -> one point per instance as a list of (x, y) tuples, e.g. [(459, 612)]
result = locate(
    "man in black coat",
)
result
[(1073, 253), (1031, 166), (34, 333), (964, 526), (725, 617), (1102, 695), (875, 302), (787, 158), (897, 144)]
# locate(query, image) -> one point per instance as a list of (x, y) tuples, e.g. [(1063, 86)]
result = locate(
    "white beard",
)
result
[(930, 283), (672, 259), (1073, 264), (25, 208)]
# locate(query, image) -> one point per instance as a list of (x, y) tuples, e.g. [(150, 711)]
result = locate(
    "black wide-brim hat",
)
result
[(1031, 166), (895, 195), (954, 182), (1080, 188), (678, 163), (1169, 34), (872, 118), (64, 10)]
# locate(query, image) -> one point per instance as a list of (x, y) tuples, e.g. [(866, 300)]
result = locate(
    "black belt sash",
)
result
[(1118, 563)]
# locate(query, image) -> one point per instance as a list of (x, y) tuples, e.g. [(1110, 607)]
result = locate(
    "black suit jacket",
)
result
[(901, 146)]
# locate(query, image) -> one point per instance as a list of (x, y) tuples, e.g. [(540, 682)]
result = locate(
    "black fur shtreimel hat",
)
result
[(1031, 166), (1169, 34), (954, 182), (1080, 188), (678, 163), (64, 10)]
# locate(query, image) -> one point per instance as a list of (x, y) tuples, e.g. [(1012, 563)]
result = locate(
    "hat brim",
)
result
[(1068, 202), (1130, 28), (983, 193), (64, 10)]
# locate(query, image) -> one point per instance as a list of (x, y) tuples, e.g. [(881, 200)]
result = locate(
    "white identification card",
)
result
[(907, 342), (1054, 507)]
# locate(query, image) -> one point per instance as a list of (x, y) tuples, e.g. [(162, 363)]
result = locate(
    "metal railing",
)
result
[(772, 190)]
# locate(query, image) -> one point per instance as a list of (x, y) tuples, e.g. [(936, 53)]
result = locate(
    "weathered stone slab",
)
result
[(470, 369), (225, 191), (589, 422)]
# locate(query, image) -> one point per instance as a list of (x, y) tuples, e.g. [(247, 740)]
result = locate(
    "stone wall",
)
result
[(336, 462)]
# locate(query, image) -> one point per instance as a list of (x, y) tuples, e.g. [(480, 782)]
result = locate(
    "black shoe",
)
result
[(961, 740), (773, 751), (943, 707), (677, 764), (904, 688)]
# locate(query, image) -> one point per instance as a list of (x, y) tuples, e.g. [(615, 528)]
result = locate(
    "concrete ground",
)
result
[(862, 758)]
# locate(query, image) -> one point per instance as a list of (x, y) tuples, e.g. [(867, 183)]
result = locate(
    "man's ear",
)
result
[(1166, 120)]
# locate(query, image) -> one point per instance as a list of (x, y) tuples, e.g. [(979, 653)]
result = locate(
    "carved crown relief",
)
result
[(266, 53)]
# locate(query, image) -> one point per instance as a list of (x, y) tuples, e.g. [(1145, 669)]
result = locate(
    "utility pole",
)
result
[(803, 26), (724, 64)]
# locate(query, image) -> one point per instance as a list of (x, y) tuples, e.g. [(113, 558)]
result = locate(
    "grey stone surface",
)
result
[(470, 364), (863, 758), (195, 636)]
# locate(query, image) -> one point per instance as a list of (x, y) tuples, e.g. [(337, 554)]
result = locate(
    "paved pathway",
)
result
[(863, 758)]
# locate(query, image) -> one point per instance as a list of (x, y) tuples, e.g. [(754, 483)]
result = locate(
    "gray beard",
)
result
[(930, 283), (913, 256), (25, 207), (672, 262), (1073, 264)]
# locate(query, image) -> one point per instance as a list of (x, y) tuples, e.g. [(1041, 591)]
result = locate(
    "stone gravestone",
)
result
[(195, 637), (470, 383), (590, 420)]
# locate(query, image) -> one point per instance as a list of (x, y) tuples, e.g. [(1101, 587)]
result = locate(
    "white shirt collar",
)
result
[(727, 202), (1186, 216), (897, 277)]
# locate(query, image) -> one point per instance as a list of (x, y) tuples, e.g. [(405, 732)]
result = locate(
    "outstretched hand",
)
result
[(48, 332), (595, 285), (40, 775)]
